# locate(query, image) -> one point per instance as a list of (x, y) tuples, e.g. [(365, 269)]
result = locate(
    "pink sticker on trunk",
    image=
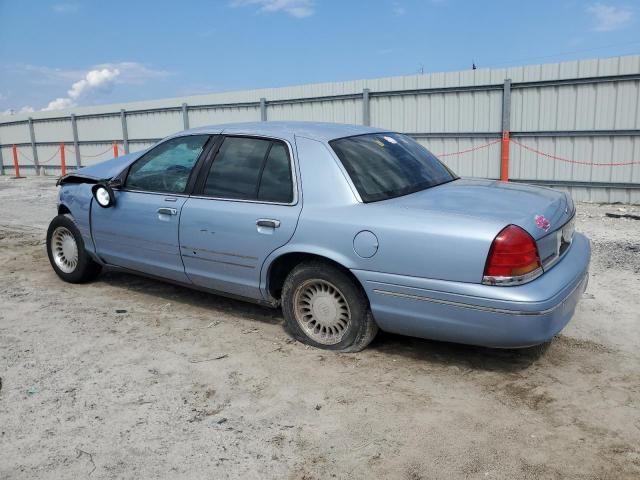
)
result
[(542, 223)]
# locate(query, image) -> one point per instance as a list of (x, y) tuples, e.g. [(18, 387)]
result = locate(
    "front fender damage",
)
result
[(76, 178)]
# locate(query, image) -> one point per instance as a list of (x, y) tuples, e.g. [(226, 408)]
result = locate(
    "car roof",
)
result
[(322, 131)]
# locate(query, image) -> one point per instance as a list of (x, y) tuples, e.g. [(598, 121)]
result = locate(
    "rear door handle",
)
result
[(268, 222), (167, 211)]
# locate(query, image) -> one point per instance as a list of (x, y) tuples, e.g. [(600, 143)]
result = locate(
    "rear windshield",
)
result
[(387, 165)]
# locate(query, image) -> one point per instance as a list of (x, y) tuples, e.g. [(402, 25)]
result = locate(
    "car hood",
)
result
[(100, 171), (538, 210), (108, 168)]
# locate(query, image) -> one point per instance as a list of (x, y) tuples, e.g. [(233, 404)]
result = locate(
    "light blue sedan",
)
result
[(349, 229)]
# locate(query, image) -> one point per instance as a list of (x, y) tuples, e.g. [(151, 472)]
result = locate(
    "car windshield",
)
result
[(387, 165)]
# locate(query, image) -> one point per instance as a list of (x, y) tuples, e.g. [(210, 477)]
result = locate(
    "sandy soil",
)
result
[(131, 378)]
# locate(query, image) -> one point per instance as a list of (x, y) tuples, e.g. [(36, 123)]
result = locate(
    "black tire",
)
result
[(86, 268), (361, 328)]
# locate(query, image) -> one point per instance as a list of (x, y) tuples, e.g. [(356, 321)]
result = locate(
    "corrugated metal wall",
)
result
[(567, 122)]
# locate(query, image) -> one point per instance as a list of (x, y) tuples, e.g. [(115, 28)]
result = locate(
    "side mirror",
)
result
[(103, 193)]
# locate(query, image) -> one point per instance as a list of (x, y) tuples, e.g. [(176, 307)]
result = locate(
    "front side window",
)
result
[(168, 166), (387, 165), (251, 169)]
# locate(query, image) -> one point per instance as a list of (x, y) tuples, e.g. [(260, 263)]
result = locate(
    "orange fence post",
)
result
[(506, 128), (115, 150), (63, 161), (14, 149), (504, 159)]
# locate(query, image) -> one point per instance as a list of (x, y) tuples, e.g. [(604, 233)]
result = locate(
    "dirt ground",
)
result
[(131, 378)]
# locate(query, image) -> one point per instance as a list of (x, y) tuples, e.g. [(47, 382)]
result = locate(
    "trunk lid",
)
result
[(539, 210)]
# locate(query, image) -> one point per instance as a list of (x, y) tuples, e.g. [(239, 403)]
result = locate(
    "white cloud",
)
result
[(295, 8), (608, 17), (81, 86), (134, 73), (94, 80), (101, 78), (59, 103)]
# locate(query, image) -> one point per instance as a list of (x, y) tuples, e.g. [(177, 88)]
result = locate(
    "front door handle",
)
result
[(167, 211), (268, 222)]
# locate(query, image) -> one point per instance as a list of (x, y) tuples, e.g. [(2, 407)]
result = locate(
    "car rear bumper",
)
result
[(477, 314)]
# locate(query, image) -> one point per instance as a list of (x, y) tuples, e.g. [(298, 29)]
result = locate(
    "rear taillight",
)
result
[(513, 258)]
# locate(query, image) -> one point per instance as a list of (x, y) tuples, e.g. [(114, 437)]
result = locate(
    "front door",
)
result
[(245, 207), (140, 231)]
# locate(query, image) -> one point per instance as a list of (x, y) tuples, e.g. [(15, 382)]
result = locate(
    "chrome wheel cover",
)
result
[(322, 311), (64, 249)]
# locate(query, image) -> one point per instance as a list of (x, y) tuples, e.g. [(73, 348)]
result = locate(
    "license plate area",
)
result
[(555, 245), (565, 236)]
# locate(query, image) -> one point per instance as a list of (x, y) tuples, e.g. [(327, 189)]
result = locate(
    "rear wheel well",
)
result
[(282, 266), (63, 210)]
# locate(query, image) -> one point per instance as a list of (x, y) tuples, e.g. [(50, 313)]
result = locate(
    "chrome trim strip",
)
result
[(149, 192), (510, 281), (481, 308), (248, 257), (218, 261), (142, 242), (204, 197)]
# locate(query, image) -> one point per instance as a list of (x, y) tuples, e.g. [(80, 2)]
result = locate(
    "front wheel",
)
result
[(323, 307), (66, 252)]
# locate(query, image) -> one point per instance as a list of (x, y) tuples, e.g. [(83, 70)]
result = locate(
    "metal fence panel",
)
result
[(199, 117), (340, 111), (53, 131), (100, 128), (13, 133), (153, 124)]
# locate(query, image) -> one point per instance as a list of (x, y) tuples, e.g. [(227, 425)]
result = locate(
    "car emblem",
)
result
[(542, 223), (566, 209)]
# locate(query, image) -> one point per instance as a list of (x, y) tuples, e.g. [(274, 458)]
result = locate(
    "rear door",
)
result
[(140, 231), (244, 207)]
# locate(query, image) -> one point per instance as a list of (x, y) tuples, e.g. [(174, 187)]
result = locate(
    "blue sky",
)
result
[(69, 52)]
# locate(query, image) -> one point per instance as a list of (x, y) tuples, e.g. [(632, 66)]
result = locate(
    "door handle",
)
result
[(167, 211), (268, 222)]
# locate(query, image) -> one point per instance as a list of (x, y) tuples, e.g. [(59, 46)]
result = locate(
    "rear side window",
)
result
[(387, 165), (251, 169), (276, 184)]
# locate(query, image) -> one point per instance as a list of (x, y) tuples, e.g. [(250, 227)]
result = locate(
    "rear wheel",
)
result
[(66, 252), (325, 308)]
